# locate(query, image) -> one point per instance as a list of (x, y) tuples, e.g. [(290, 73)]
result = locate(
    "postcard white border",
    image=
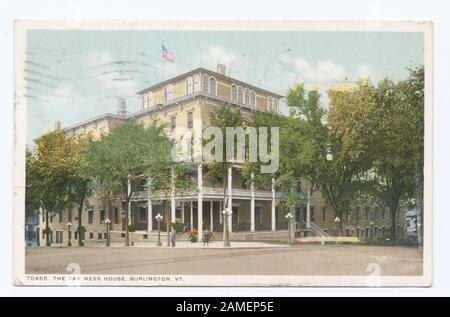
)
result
[(20, 124)]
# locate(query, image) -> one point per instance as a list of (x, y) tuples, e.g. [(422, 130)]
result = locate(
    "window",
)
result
[(150, 100), (168, 93), (91, 235), (76, 235), (252, 99), (189, 86), (196, 82), (324, 214), (100, 236), (116, 215), (312, 214), (246, 96), (258, 216), (240, 93), (212, 86), (205, 83), (102, 215), (173, 123), (233, 92), (142, 214), (190, 122), (90, 215), (144, 101)]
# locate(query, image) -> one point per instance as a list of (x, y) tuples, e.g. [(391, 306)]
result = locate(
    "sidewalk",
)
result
[(197, 245)]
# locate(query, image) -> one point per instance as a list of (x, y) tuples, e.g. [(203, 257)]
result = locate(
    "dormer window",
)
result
[(233, 92), (144, 101), (196, 83), (246, 96), (150, 99), (205, 83), (275, 105), (168, 95), (189, 86), (252, 99), (212, 86), (240, 94), (269, 103)]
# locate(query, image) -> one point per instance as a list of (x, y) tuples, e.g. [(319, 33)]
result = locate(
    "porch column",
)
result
[(252, 204), (129, 202), (220, 211), (192, 215), (200, 201), (149, 215), (211, 215), (273, 205), (230, 200), (308, 207), (149, 207), (172, 199), (172, 209), (182, 212)]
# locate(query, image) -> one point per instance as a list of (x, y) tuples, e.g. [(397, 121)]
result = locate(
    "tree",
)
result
[(376, 134), (351, 131), (217, 171), (52, 170), (123, 156), (168, 178), (398, 159)]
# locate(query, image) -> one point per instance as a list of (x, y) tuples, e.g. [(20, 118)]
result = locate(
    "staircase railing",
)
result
[(314, 229)]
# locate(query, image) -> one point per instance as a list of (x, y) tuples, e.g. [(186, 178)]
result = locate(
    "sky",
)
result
[(73, 75)]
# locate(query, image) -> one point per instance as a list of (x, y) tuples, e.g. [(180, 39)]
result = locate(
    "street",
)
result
[(275, 260)]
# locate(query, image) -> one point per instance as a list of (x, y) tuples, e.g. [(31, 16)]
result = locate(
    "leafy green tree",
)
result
[(52, 169), (217, 171), (123, 156)]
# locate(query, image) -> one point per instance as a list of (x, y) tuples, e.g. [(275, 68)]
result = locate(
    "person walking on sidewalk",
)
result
[(206, 236), (173, 235)]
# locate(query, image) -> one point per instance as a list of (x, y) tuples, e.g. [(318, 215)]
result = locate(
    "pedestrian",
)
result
[(206, 237), (173, 235)]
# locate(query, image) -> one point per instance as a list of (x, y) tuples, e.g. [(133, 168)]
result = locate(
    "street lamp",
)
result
[(329, 155), (337, 221), (108, 240), (371, 224), (226, 236), (290, 218), (69, 233), (159, 219)]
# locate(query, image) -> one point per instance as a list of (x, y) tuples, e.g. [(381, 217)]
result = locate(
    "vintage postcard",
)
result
[(223, 153)]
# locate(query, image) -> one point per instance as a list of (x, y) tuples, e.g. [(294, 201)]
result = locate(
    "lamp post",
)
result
[(290, 218), (371, 229), (329, 154), (159, 218), (69, 233), (337, 221), (226, 235), (108, 239)]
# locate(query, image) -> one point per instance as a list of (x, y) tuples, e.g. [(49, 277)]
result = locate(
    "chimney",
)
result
[(121, 107), (221, 69), (57, 125)]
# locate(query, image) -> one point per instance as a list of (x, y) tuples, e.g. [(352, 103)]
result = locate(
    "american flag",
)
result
[(168, 56)]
